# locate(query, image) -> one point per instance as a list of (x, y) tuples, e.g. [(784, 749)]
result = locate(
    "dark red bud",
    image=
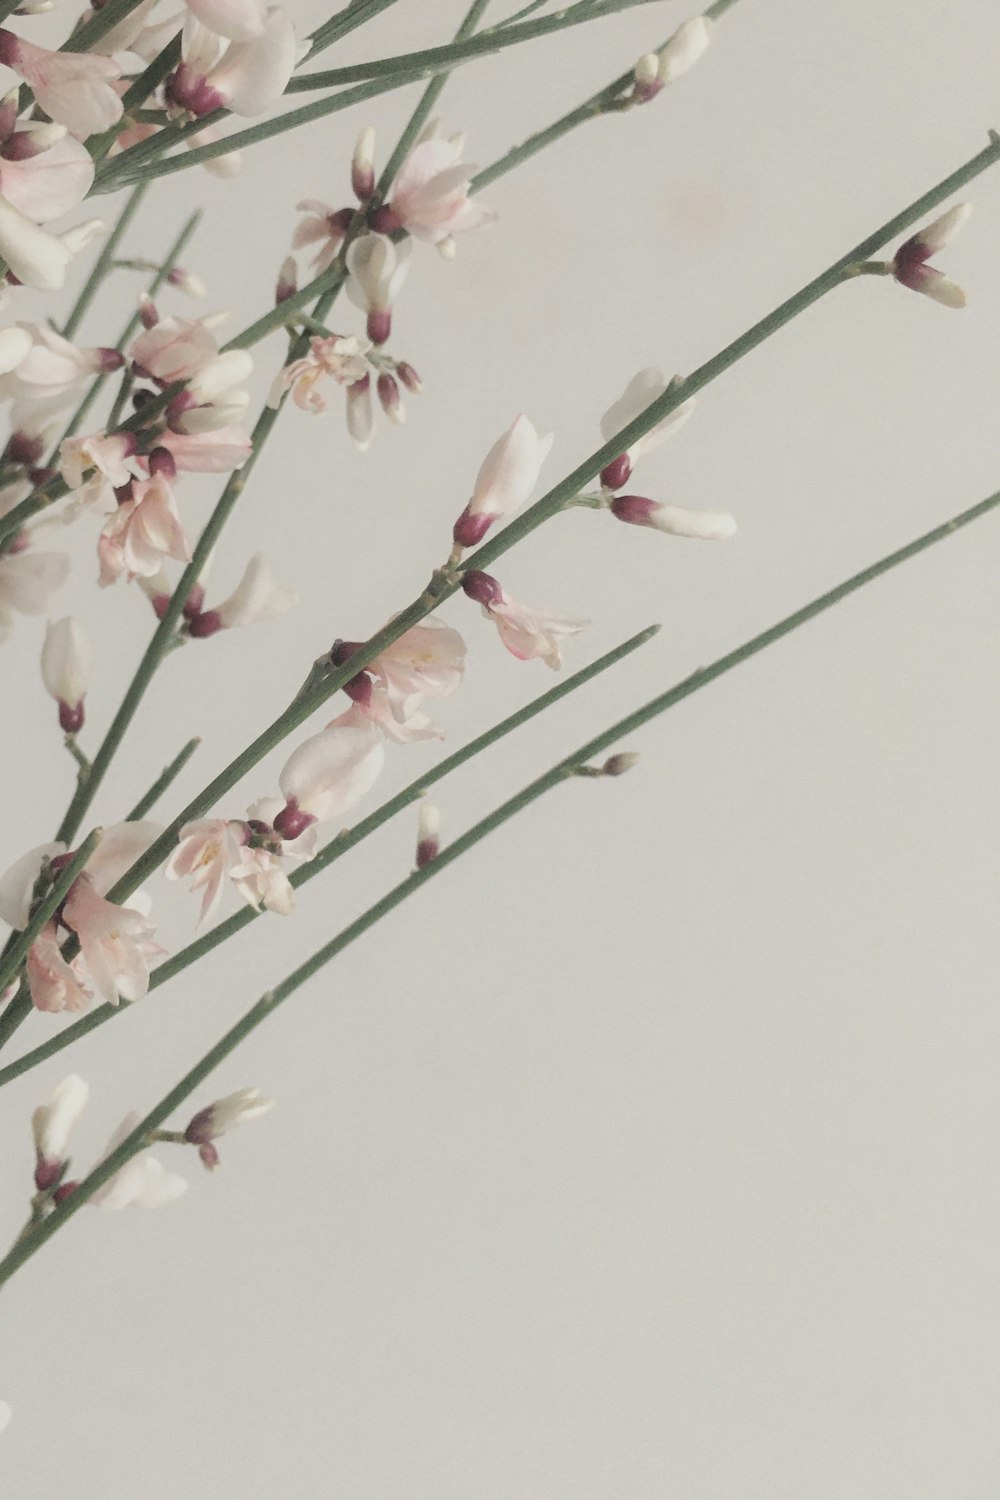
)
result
[(63, 1192), (469, 530), (203, 625), (384, 220), (482, 587), (291, 821), (162, 461), (379, 325), (71, 717), (342, 651), (617, 472), (408, 375), (22, 449), (427, 849)]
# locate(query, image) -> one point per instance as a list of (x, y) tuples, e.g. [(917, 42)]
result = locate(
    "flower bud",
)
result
[(428, 830), (186, 281), (704, 525), (51, 1126), (363, 165), (66, 658), (482, 588), (617, 765), (408, 375), (388, 395), (235, 1109)]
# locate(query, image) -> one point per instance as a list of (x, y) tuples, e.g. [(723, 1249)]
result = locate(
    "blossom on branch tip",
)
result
[(66, 659), (910, 265), (73, 88), (527, 633), (705, 525), (506, 478), (655, 70)]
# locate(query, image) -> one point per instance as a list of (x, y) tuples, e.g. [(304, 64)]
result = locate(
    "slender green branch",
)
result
[(334, 850), (166, 779), (345, 21), (102, 264), (305, 704), (484, 43), (557, 776), (44, 910)]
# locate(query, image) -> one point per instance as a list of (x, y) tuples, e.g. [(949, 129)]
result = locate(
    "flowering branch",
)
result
[(336, 848), (445, 583), (569, 767)]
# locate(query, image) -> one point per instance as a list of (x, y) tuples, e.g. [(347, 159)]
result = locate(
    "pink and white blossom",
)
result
[(327, 774), (910, 264), (91, 464), (213, 452), (53, 368), (376, 270), (207, 851), (174, 349), (527, 633), (54, 984), (142, 532), (373, 706), (704, 525), (247, 76), (47, 185), (430, 197), (506, 478), (324, 226), (116, 942), (261, 881), (224, 1115), (426, 661), (36, 257), (258, 596), (73, 88), (341, 358)]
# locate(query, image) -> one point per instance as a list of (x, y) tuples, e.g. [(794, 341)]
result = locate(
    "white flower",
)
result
[(910, 263), (15, 343), (225, 1114), (73, 88), (66, 661), (52, 1123), (26, 581), (48, 185), (430, 197), (247, 76), (704, 525), (426, 661), (54, 368), (685, 47), (506, 478), (331, 771), (526, 632), (377, 269), (143, 1182), (642, 390)]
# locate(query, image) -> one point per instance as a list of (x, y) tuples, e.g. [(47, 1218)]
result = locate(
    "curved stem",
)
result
[(564, 769)]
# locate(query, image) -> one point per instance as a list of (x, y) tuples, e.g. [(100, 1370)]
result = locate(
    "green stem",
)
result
[(344, 22), (305, 704), (424, 108), (76, 420), (44, 910), (561, 772), (334, 850), (483, 44), (166, 778), (102, 265)]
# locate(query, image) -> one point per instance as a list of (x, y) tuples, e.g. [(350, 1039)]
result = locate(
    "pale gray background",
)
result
[(653, 1150)]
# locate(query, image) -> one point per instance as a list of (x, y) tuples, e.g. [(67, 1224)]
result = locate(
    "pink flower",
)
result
[(174, 349), (54, 984), (430, 197), (261, 881), (524, 631), (340, 357), (116, 941), (910, 264), (73, 88), (213, 398), (705, 525), (54, 368), (108, 459), (373, 707), (142, 532), (506, 478), (247, 77), (49, 184), (427, 661), (208, 851), (323, 226), (214, 452)]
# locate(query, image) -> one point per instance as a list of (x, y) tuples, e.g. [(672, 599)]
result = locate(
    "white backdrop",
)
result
[(652, 1150)]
